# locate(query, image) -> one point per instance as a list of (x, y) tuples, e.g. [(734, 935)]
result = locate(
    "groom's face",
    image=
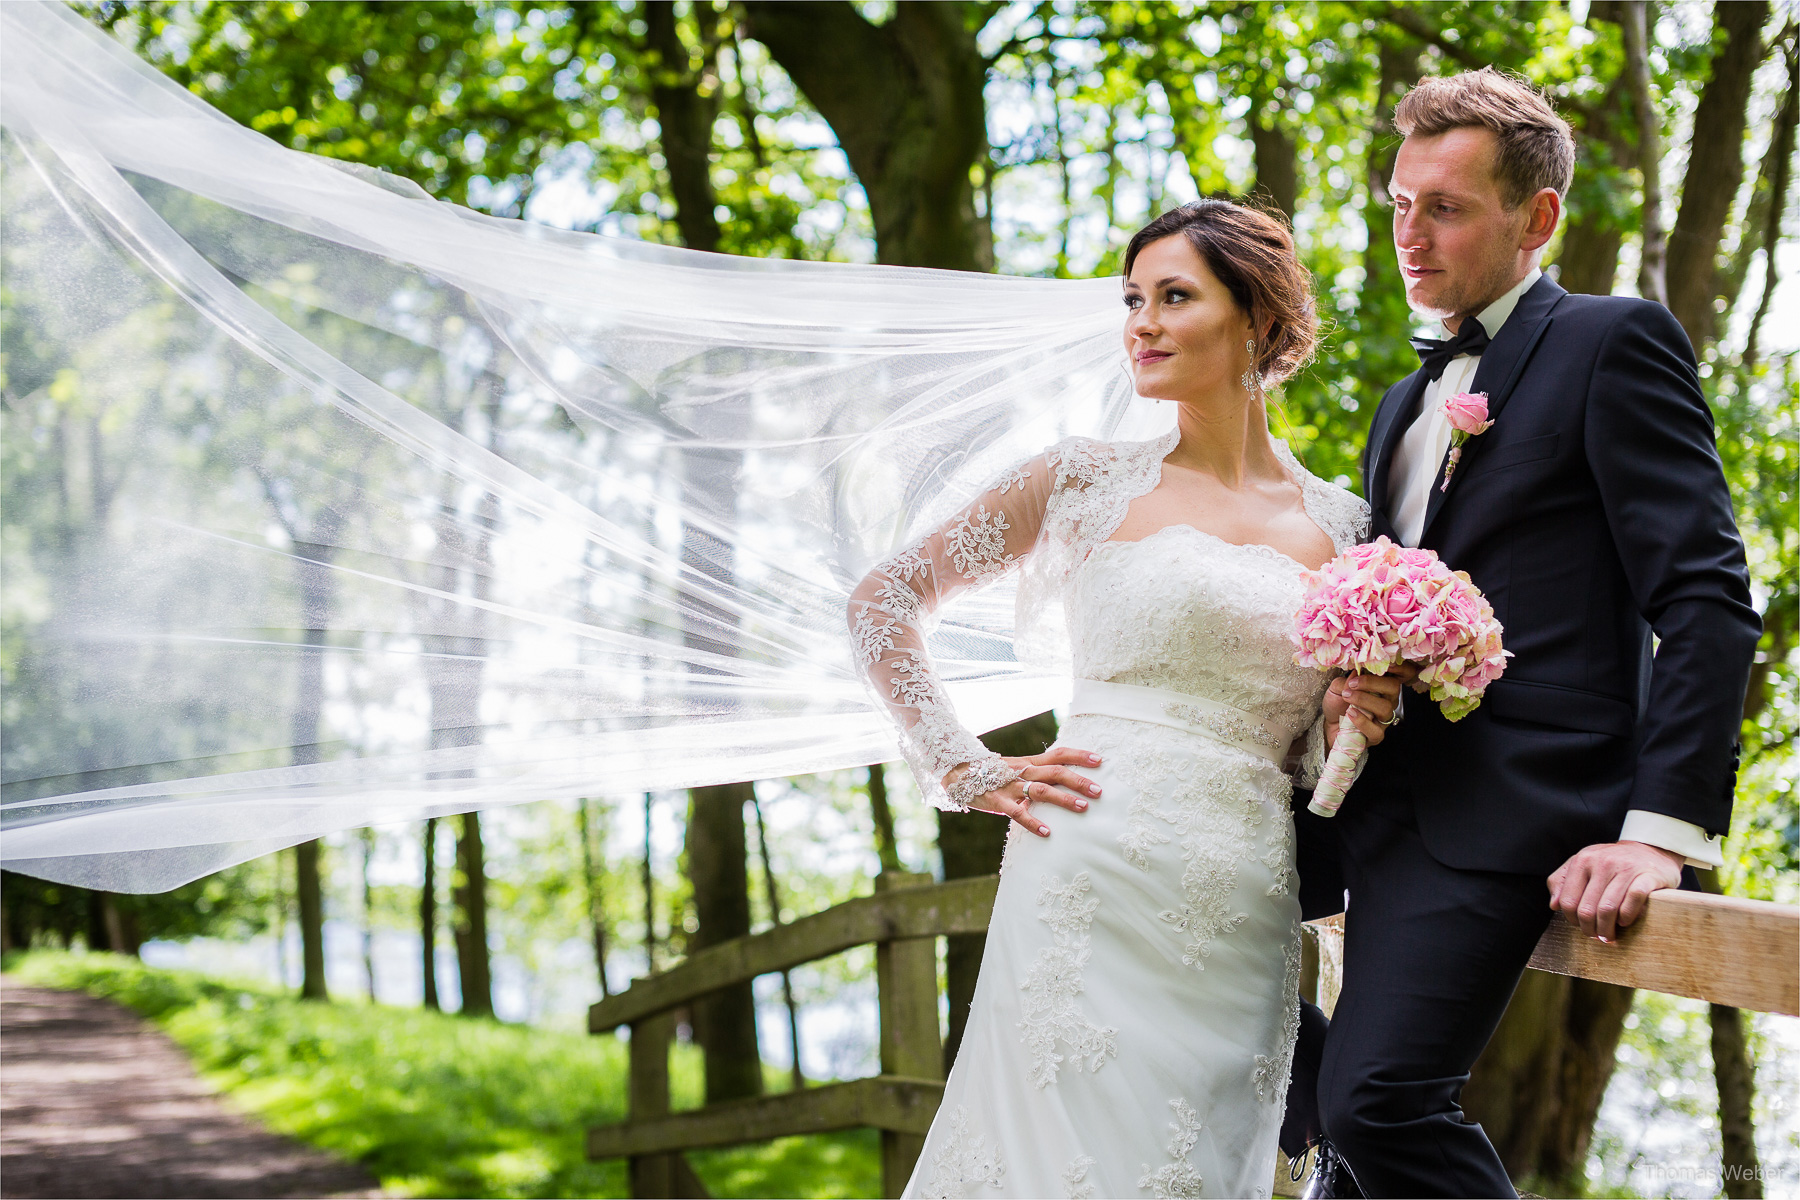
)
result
[(1459, 245)]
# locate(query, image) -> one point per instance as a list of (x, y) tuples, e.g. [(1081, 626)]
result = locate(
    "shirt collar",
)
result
[(1495, 315)]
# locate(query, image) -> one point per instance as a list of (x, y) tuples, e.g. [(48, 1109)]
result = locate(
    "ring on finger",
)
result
[(1392, 720)]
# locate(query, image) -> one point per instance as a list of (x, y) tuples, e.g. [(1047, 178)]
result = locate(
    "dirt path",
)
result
[(96, 1102)]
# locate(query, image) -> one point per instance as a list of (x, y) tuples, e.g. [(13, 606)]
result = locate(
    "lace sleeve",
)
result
[(892, 608), (1311, 763)]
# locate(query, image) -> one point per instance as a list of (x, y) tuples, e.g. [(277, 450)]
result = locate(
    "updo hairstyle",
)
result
[(1252, 254)]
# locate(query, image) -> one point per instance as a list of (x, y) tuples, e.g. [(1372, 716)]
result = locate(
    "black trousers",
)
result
[(1431, 958)]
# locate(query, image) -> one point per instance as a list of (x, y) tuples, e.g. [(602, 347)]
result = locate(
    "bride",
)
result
[(1135, 1017)]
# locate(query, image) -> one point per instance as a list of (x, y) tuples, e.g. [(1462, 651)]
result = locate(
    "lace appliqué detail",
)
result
[(1213, 811), (1050, 1012), (977, 545), (1226, 726), (936, 738), (907, 565), (1279, 858), (1177, 1177), (1018, 477), (873, 635), (982, 777), (966, 1161), (1271, 1075), (1096, 482), (1074, 1177)]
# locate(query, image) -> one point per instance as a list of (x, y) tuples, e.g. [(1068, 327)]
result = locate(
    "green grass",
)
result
[(437, 1105)]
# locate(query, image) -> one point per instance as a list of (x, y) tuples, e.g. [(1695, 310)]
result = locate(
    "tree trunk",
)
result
[(686, 121), (649, 894), (1737, 1088), (1736, 1078), (99, 931), (972, 844), (1537, 1088), (1277, 161), (310, 892), (1634, 22), (1381, 307), (1588, 261), (1776, 170), (472, 959), (787, 983), (1592, 1023), (318, 587), (887, 847), (1512, 1088), (906, 102), (724, 1022), (596, 891), (1715, 170), (368, 911), (428, 917)]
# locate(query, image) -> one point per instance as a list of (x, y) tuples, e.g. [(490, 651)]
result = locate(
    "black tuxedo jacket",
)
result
[(1593, 514)]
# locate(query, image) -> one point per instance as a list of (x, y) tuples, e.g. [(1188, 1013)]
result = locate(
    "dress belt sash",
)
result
[(1178, 710)]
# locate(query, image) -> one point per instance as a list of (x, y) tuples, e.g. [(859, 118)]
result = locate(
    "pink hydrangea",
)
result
[(1379, 604)]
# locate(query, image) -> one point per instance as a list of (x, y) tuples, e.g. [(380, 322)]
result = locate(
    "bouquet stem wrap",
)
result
[(1340, 769)]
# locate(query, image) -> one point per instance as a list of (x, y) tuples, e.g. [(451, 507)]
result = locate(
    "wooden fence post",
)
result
[(906, 979), (648, 1097), (660, 1175)]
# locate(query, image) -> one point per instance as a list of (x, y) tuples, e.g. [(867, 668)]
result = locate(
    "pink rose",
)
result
[(1401, 603), (1467, 412)]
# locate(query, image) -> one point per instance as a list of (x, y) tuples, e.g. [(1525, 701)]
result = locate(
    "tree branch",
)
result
[(1634, 22), (1410, 21)]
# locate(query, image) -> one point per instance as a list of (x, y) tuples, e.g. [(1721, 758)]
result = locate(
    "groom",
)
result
[(1594, 514)]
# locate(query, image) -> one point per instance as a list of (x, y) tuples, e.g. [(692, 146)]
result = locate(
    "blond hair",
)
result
[(1536, 147)]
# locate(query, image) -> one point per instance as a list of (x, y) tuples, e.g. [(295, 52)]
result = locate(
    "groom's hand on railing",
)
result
[(1048, 777), (1604, 888)]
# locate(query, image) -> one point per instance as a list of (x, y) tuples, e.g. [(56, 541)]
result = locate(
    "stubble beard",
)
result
[(1465, 297)]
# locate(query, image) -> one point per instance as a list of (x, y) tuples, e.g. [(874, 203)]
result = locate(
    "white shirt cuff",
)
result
[(1700, 848)]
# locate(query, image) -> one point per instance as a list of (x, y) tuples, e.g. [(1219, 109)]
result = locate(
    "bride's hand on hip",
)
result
[(1048, 778), (1371, 701)]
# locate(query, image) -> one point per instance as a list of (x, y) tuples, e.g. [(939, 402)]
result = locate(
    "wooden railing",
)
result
[(1744, 953)]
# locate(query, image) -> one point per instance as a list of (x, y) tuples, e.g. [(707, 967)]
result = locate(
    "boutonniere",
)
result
[(1467, 414)]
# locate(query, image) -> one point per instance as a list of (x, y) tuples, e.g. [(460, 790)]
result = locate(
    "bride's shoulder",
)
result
[(1085, 461), (1340, 512)]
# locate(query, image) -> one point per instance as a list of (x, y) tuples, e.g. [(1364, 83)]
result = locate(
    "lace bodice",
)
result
[(1180, 609), (1183, 610)]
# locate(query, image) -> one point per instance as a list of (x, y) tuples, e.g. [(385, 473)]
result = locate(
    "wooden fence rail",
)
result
[(1744, 953)]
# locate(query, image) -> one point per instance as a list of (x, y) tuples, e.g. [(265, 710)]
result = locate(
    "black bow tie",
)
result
[(1434, 355)]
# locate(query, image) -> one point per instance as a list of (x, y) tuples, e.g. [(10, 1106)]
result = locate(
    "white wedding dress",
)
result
[(1135, 1016)]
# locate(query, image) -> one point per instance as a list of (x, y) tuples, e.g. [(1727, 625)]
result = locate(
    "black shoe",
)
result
[(1331, 1175)]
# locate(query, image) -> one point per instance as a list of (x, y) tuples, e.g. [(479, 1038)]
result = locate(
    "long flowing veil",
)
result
[(327, 504)]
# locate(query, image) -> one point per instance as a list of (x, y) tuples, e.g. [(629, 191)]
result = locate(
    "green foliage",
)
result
[(436, 1105), (234, 903), (490, 104), (1658, 1132)]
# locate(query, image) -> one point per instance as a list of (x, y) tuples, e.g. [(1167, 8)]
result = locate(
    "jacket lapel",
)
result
[(1391, 420), (1501, 366)]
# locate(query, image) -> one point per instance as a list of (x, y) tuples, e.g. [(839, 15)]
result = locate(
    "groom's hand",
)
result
[(1604, 888)]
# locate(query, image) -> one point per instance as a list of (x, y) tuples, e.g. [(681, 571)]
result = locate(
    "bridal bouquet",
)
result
[(1379, 604)]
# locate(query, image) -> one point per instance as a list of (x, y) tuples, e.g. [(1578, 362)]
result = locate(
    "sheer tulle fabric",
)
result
[(330, 505)]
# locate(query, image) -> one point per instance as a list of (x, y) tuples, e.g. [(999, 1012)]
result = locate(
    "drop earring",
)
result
[(1248, 378)]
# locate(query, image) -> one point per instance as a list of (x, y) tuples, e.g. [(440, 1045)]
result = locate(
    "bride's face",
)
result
[(1184, 333)]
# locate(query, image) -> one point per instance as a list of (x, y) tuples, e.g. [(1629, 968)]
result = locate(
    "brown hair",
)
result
[(1252, 254), (1536, 149)]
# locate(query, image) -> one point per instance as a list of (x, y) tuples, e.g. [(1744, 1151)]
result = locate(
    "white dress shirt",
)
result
[(1415, 471)]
